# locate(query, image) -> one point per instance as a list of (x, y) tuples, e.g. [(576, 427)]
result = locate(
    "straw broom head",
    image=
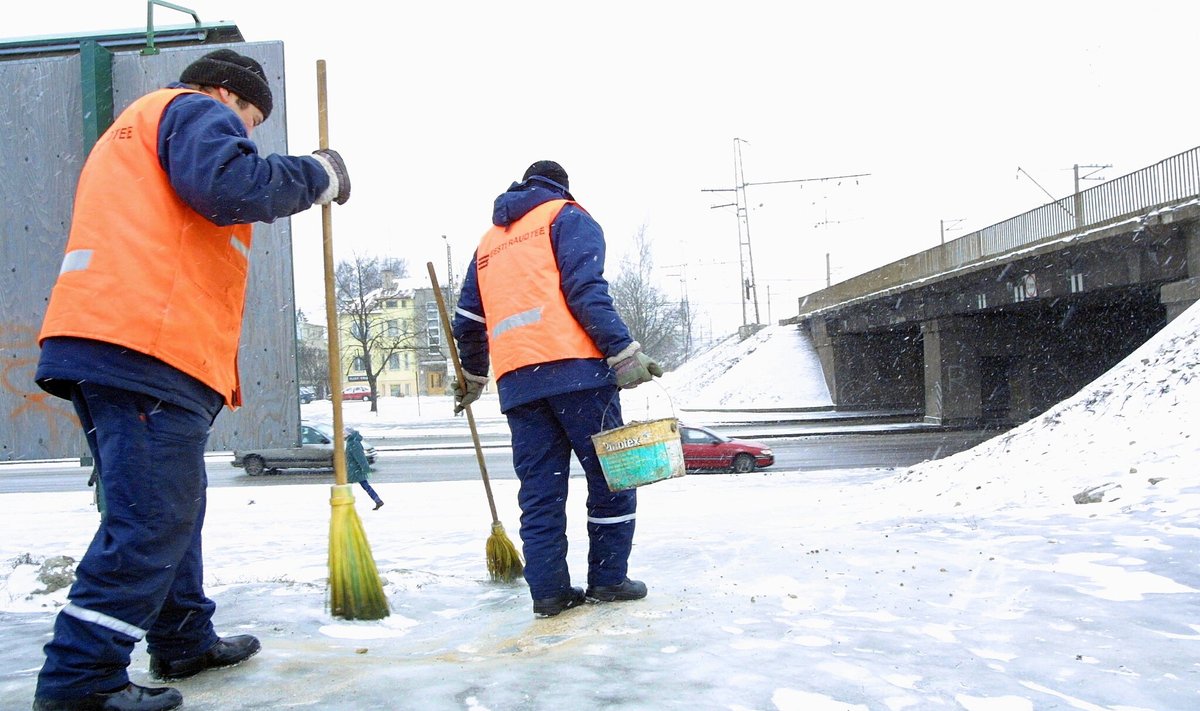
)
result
[(355, 590), (503, 562)]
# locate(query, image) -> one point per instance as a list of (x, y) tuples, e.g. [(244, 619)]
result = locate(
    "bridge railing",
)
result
[(1176, 178), (1172, 180)]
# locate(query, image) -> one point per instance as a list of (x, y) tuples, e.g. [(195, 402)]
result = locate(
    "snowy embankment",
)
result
[(775, 368)]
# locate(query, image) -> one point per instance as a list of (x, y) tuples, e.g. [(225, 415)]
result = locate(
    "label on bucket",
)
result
[(640, 453), (635, 441)]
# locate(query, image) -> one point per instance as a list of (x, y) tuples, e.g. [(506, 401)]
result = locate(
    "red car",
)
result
[(356, 392), (705, 449)]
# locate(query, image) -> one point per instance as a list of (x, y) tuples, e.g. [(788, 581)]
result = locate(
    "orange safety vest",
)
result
[(143, 269), (521, 289)]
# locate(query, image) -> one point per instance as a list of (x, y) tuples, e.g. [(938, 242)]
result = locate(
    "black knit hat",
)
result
[(237, 73), (548, 169)]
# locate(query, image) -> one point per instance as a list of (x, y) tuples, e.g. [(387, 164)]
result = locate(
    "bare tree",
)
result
[(654, 320), (363, 286)]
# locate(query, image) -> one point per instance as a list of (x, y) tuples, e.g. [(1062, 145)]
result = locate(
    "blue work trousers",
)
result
[(142, 575), (544, 433)]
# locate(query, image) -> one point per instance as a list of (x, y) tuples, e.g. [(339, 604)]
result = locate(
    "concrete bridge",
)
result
[(999, 325)]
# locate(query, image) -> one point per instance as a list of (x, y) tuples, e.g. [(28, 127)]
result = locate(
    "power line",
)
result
[(813, 180)]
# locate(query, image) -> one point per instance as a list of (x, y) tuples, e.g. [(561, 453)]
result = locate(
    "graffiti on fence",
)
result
[(35, 424)]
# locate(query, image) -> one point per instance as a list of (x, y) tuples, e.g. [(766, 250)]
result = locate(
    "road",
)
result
[(456, 461)]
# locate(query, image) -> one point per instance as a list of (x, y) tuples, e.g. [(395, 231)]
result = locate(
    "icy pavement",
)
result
[(767, 591)]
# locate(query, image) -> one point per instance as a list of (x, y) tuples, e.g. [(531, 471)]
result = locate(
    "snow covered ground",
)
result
[(975, 582)]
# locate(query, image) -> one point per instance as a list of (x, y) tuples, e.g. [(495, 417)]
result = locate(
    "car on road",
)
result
[(315, 452), (356, 392), (704, 449), (306, 395)]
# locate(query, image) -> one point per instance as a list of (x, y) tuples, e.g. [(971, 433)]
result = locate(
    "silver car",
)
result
[(315, 452)]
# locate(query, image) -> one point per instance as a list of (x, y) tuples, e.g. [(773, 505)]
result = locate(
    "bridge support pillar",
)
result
[(824, 344), (952, 372), (870, 370), (1178, 296)]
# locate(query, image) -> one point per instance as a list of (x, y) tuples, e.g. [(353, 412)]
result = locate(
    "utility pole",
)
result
[(745, 253), (1079, 195), (953, 226), (685, 306), (443, 345), (449, 272), (1077, 213), (748, 285)]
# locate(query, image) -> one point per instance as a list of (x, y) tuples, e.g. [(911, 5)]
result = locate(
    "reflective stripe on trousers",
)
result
[(544, 434), (142, 573)]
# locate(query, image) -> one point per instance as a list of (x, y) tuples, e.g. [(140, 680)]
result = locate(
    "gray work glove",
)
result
[(339, 178), (464, 396), (634, 367)]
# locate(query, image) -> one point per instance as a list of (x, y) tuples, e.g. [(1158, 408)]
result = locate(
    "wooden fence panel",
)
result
[(41, 154)]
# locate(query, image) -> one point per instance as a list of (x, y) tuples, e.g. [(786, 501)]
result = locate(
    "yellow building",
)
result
[(387, 321)]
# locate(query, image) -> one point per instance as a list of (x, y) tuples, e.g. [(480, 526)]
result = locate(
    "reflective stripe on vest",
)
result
[(145, 271), (521, 289)]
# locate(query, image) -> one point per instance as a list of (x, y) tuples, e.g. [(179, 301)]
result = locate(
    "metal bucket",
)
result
[(640, 453)]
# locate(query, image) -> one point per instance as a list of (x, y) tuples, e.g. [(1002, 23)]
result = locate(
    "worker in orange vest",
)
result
[(141, 334), (535, 301)]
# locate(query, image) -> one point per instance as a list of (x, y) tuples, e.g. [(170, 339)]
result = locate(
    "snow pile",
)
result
[(775, 368), (1127, 436)]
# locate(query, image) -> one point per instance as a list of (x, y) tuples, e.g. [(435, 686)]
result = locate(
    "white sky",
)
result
[(438, 106), (971, 583)]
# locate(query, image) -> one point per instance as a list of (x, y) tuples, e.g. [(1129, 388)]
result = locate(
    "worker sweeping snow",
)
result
[(534, 300), (141, 334)]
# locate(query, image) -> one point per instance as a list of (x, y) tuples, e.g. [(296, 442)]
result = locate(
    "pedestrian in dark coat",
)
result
[(535, 302), (358, 469), (141, 334)]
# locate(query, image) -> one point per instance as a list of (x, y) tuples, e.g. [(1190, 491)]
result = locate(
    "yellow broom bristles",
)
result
[(355, 590), (503, 562)]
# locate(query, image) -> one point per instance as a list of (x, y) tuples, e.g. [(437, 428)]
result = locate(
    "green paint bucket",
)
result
[(640, 453)]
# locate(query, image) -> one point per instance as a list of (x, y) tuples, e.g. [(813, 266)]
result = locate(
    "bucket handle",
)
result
[(617, 394)]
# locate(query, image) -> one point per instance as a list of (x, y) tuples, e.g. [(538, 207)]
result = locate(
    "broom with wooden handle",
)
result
[(503, 562), (355, 590)]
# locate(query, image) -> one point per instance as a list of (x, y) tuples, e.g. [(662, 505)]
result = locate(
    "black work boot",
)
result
[(225, 653), (130, 697), (551, 606), (625, 590)]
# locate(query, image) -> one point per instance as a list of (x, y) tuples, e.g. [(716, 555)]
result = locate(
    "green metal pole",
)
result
[(95, 69), (150, 49)]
